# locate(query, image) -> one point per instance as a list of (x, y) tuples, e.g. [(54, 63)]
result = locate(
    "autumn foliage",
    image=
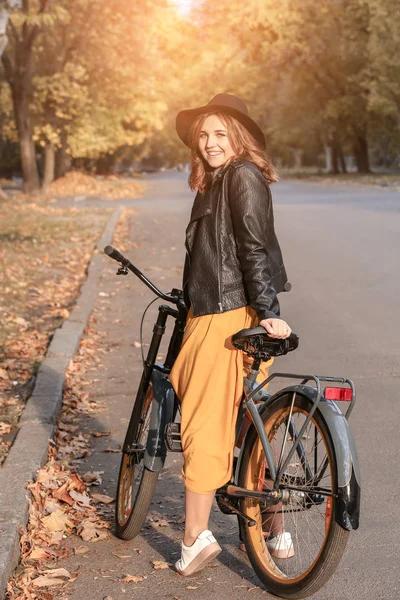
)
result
[(103, 80)]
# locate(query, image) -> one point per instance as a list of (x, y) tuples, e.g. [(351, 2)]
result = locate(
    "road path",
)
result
[(341, 248)]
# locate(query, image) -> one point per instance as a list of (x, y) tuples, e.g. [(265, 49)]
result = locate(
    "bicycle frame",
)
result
[(154, 448)]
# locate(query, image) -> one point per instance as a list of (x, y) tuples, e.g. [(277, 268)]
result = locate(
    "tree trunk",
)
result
[(49, 165), (298, 158), (62, 158), (360, 149), (335, 161), (342, 160), (20, 81), (28, 158), (328, 159)]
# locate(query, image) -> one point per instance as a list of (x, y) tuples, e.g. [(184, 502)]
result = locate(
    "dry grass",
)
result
[(44, 252), (111, 187)]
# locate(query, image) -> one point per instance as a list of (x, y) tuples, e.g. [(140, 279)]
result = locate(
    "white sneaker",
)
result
[(195, 557), (281, 546)]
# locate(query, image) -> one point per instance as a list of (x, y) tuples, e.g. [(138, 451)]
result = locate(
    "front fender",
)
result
[(161, 414), (347, 502)]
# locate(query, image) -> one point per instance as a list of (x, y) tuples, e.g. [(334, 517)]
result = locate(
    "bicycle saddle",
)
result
[(257, 343)]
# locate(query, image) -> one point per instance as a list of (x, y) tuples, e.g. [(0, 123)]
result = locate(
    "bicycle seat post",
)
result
[(254, 371)]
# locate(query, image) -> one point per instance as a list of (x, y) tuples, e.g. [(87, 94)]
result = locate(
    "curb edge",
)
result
[(29, 450)]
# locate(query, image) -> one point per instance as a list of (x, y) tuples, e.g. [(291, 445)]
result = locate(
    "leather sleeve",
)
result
[(252, 219), (185, 281)]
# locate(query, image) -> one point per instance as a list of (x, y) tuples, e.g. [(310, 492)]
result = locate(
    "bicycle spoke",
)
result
[(304, 511)]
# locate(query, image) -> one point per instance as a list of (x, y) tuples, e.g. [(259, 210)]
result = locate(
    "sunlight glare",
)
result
[(183, 6)]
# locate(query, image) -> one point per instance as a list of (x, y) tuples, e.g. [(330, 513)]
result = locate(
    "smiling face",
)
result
[(214, 144)]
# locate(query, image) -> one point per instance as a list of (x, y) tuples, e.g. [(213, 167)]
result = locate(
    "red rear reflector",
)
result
[(339, 394)]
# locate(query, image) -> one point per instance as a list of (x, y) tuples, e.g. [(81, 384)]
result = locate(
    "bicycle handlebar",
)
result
[(116, 255)]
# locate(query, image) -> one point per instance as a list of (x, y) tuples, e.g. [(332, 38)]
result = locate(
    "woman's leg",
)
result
[(272, 520), (198, 508)]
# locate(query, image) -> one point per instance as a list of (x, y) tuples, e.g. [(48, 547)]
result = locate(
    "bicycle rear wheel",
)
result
[(307, 512), (136, 484)]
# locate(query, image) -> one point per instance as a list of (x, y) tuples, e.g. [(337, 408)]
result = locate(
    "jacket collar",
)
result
[(202, 205)]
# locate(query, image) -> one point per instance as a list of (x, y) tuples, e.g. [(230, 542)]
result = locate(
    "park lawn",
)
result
[(44, 253)]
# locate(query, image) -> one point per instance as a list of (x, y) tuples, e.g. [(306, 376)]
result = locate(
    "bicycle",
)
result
[(297, 464)]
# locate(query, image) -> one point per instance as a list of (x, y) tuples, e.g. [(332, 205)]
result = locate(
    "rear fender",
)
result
[(347, 502), (162, 410)]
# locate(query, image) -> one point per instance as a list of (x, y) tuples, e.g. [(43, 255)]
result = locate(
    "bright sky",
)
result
[(183, 6)]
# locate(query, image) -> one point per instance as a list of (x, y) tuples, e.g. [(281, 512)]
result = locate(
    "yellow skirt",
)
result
[(208, 379)]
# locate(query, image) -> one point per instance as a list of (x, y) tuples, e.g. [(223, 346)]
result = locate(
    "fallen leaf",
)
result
[(4, 428), (109, 449), (51, 578), (133, 578), (192, 587), (43, 581), (3, 374), (60, 572), (57, 521), (92, 477), (81, 499), (38, 554), (100, 433), (88, 531), (103, 498), (76, 483), (62, 494), (81, 550), (91, 532), (159, 564), (21, 321), (162, 523), (137, 344)]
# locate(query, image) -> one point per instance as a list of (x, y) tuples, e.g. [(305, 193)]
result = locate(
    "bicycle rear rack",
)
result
[(304, 379)]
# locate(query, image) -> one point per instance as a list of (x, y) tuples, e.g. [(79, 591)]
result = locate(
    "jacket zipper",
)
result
[(218, 257)]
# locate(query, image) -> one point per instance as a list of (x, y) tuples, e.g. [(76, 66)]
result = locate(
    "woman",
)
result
[(233, 273)]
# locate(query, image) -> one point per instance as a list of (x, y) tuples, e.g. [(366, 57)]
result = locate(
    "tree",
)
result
[(5, 7), (24, 26), (85, 80)]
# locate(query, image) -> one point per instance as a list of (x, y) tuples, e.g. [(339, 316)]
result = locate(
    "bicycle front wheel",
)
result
[(299, 564), (136, 484)]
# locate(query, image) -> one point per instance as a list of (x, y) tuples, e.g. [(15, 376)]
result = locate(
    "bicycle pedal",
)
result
[(173, 437)]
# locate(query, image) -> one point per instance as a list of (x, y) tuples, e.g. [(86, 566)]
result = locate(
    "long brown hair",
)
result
[(243, 143)]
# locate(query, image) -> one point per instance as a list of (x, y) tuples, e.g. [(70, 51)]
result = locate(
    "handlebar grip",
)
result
[(115, 254)]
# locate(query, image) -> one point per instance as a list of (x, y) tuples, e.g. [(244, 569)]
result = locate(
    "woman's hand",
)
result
[(276, 328)]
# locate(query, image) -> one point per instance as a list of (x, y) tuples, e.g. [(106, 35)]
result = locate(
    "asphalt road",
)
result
[(341, 247)]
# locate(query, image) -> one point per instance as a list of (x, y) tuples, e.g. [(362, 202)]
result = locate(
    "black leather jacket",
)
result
[(233, 256)]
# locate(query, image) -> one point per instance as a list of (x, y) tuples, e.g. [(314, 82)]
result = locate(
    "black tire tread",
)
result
[(147, 488)]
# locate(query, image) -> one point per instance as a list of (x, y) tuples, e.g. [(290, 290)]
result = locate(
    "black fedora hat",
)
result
[(224, 103)]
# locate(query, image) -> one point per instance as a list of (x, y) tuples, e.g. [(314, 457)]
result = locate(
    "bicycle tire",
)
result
[(271, 571), (129, 519)]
